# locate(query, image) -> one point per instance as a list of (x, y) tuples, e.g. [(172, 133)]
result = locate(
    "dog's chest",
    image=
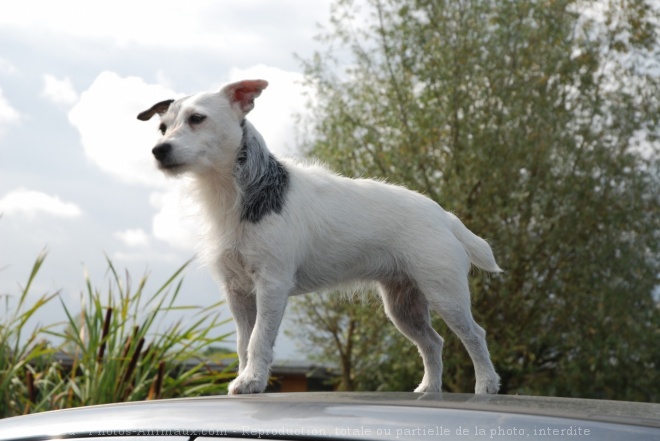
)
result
[(236, 271)]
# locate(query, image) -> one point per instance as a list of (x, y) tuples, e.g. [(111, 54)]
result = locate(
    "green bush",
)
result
[(121, 346)]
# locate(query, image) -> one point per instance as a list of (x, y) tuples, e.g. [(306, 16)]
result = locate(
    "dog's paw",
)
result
[(248, 384), (489, 386), (425, 387)]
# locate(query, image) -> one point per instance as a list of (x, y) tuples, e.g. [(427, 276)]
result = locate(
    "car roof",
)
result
[(345, 415)]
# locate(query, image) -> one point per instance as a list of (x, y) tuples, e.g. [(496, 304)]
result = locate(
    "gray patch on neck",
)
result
[(263, 180)]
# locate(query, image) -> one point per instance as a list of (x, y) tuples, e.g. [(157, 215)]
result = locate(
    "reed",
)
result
[(125, 343)]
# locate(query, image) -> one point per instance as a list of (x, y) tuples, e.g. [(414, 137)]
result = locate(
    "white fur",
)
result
[(330, 231)]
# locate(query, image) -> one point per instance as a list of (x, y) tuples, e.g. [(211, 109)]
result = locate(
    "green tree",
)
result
[(354, 337), (536, 121)]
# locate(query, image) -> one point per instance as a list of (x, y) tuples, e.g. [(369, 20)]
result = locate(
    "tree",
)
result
[(356, 337), (536, 121)]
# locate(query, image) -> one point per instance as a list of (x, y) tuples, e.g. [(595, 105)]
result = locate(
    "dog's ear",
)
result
[(158, 108), (243, 93)]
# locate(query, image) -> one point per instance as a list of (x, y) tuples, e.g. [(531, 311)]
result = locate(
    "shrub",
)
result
[(123, 345)]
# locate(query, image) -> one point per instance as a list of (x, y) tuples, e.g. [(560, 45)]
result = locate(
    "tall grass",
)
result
[(21, 355), (122, 345)]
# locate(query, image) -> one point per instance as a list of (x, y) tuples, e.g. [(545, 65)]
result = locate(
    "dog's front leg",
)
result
[(243, 307), (271, 302)]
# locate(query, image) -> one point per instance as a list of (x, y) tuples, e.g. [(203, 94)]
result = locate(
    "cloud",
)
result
[(7, 67), (59, 91), (111, 135), (202, 24), (147, 256), (175, 223), (133, 238), (173, 26), (30, 203), (8, 115)]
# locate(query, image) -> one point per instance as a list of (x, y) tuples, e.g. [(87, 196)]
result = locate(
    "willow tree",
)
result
[(536, 122)]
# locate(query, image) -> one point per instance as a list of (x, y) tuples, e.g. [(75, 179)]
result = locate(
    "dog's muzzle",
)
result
[(161, 151)]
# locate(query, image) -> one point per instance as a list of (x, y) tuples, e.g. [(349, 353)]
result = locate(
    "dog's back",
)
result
[(364, 230)]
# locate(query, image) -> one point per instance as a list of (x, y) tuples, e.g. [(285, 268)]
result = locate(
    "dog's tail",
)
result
[(478, 250)]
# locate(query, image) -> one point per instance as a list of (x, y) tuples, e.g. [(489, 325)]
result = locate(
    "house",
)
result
[(286, 375)]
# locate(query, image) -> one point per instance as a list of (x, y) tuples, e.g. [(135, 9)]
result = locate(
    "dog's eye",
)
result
[(196, 118), (162, 128)]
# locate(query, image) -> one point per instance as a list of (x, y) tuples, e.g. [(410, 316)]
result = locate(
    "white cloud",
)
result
[(133, 238), (175, 223), (30, 203), (111, 135), (8, 115), (147, 256), (206, 24), (7, 67), (101, 20), (59, 91)]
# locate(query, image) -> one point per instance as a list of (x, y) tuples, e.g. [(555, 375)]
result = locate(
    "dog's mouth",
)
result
[(171, 167)]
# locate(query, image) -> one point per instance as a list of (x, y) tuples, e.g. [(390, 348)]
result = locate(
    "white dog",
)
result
[(277, 228)]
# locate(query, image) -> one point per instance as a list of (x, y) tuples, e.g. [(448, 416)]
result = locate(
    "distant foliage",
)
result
[(537, 123), (115, 349)]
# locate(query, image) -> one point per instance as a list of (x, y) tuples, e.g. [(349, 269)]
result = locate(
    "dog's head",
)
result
[(203, 132)]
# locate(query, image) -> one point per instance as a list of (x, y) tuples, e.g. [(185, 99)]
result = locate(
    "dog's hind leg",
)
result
[(271, 300), (408, 309), (473, 337), (455, 310)]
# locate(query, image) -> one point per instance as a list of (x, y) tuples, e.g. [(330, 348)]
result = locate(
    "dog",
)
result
[(277, 228)]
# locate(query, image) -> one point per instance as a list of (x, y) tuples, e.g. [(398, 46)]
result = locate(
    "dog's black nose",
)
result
[(161, 151)]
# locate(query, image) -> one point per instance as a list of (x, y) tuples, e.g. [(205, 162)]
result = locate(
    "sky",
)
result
[(76, 173)]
